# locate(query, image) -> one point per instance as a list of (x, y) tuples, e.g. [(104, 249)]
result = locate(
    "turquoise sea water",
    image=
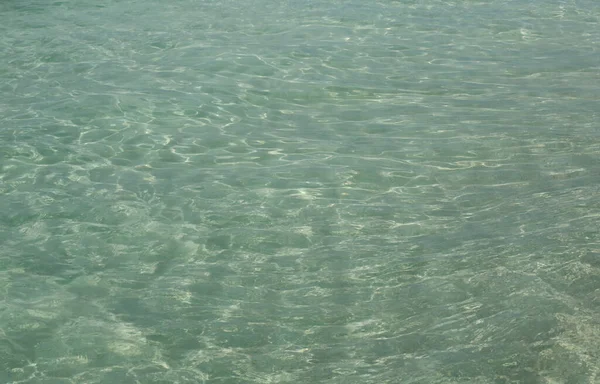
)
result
[(299, 191)]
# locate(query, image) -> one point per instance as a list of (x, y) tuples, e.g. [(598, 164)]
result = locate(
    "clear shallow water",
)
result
[(299, 192)]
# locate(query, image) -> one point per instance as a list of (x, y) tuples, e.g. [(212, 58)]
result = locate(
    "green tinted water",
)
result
[(299, 192)]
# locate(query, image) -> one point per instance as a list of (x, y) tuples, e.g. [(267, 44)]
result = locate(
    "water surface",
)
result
[(299, 192)]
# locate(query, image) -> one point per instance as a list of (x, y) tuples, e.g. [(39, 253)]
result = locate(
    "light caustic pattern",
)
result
[(299, 192)]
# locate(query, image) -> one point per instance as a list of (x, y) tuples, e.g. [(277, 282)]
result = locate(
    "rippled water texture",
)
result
[(299, 191)]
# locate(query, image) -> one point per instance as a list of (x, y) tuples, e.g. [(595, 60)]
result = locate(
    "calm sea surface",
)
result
[(303, 191)]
